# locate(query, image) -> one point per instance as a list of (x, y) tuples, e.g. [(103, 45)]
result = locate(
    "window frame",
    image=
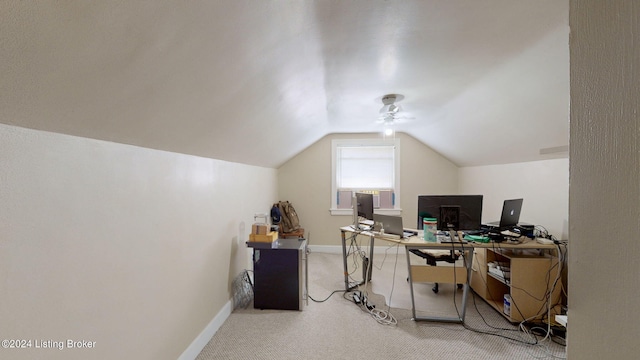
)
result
[(335, 143)]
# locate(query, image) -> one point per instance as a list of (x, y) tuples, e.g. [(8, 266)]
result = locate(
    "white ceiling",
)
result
[(258, 81)]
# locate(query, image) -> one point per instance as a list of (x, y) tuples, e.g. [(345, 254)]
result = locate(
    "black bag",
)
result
[(276, 215), (290, 221)]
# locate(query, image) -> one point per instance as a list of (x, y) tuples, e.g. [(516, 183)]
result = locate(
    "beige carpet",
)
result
[(337, 328)]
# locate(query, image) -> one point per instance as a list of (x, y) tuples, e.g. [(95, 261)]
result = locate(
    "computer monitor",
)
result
[(364, 203), (462, 212)]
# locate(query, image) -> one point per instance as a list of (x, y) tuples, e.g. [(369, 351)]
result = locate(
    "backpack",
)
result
[(290, 221)]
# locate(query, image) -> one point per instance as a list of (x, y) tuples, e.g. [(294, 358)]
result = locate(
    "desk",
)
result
[(424, 273)]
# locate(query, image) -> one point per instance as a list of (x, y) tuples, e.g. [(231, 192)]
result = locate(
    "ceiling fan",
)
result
[(391, 112)]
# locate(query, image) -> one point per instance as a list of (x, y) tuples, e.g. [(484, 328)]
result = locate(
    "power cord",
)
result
[(327, 298), (360, 297), (384, 316), (530, 339), (308, 252)]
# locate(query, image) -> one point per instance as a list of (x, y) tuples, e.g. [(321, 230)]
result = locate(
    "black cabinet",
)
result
[(279, 273)]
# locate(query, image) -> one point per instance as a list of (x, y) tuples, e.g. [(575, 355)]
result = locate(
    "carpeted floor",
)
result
[(334, 327)]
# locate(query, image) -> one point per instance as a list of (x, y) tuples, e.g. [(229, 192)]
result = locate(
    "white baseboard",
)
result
[(202, 340)]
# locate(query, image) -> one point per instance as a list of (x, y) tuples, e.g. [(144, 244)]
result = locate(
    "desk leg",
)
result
[(366, 273), (468, 258), (413, 301), (344, 262), (465, 293), (370, 269)]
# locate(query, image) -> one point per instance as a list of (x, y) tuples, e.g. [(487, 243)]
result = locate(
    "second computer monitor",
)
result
[(364, 203), (462, 212)]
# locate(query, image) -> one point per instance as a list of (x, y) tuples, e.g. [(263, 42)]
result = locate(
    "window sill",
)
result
[(349, 212)]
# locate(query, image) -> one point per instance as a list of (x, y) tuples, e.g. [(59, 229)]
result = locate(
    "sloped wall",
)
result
[(131, 248)]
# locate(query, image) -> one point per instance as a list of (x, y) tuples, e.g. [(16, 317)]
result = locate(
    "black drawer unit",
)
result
[(279, 272)]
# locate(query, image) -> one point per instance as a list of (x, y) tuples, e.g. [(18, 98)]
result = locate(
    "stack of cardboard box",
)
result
[(262, 233)]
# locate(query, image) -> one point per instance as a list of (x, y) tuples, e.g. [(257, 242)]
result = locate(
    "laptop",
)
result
[(392, 225), (510, 214)]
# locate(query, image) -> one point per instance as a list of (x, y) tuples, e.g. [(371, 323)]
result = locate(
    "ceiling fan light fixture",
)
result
[(390, 109), (389, 112), (389, 104), (391, 98)]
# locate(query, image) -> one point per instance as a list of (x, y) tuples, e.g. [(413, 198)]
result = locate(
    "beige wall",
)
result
[(305, 180), (129, 247), (604, 193), (544, 186)]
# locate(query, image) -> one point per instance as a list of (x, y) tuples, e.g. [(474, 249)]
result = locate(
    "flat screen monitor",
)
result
[(462, 212), (364, 204)]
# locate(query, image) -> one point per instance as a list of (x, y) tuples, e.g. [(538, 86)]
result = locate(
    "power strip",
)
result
[(544, 241), (357, 297)]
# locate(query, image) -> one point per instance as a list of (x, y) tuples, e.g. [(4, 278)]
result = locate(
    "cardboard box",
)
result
[(260, 229), (270, 237)]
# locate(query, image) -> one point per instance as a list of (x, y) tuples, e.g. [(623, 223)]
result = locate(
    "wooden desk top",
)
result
[(418, 242)]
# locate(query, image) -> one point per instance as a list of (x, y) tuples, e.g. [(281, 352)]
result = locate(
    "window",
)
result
[(369, 165)]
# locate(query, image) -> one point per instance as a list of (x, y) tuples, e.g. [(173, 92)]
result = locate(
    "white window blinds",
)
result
[(365, 167)]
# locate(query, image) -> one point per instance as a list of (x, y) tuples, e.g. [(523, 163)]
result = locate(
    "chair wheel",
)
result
[(459, 286), (435, 288)]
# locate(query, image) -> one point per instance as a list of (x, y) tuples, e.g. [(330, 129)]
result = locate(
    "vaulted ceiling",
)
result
[(258, 81)]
